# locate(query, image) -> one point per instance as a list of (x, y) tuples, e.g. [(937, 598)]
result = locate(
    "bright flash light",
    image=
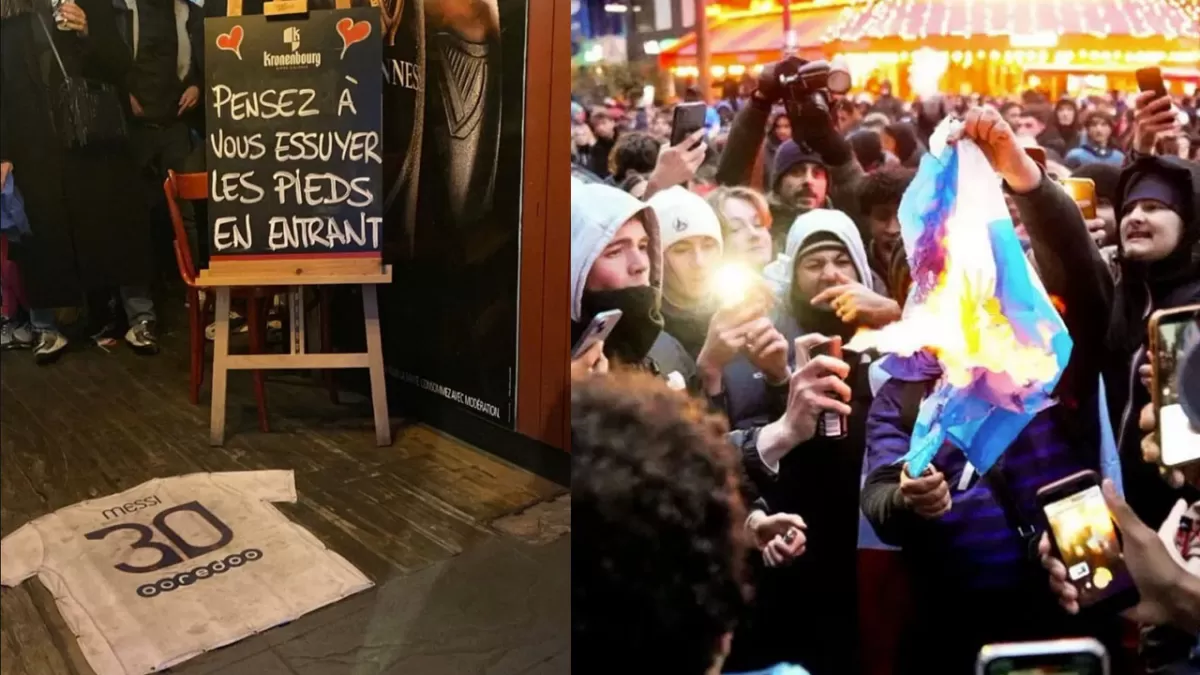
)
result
[(732, 284)]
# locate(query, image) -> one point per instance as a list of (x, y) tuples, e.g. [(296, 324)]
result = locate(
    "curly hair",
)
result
[(657, 564), (635, 151), (883, 187), (899, 279)]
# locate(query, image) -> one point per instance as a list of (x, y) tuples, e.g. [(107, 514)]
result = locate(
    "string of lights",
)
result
[(918, 19)]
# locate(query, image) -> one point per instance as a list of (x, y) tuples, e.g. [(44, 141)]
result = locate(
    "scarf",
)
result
[(689, 326), (630, 340)]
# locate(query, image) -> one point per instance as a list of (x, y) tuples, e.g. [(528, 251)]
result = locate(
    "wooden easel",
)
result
[(295, 274)]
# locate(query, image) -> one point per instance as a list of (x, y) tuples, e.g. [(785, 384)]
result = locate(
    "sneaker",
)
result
[(15, 335), (141, 338), (50, 346), (237, 324)]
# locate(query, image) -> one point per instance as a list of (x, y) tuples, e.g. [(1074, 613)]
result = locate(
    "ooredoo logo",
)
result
[(229, 562)]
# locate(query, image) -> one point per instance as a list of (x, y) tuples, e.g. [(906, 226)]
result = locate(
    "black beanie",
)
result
[(820, 240), (789, 155)]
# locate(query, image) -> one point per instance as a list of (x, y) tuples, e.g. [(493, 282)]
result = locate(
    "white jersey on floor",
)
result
[(177, 566)]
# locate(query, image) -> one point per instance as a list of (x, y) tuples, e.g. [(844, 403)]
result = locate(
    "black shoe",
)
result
[(50, 345), (141, 338)]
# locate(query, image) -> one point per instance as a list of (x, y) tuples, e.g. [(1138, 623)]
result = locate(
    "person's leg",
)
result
[(181, 155), (15, 332), (50, 341), (139, 309)]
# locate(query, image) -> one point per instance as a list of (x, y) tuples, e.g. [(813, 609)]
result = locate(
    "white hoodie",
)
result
[(597, 212), (779, 271)]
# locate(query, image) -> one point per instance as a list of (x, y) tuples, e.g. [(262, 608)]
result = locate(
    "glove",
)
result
[(769, 91), (816, 129)]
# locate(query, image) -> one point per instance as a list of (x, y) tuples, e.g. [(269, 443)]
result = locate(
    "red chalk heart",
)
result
[(231, 41), (352, 32)]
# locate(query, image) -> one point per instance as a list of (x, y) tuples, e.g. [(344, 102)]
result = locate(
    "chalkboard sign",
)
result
[(294, 144)]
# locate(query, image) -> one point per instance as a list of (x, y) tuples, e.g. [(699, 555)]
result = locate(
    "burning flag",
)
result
[(976, 305)]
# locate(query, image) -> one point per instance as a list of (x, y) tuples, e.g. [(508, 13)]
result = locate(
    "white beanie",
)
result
[(683, 215)]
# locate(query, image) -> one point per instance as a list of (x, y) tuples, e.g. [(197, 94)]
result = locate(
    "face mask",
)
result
[(640, 323)]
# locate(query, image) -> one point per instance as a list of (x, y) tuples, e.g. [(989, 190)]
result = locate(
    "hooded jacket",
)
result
[(597, 212), (1071, 133), (770, 147), (685, 215), (1139, 292), (780, 271)]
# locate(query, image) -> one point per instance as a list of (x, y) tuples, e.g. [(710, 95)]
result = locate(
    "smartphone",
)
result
[(1150, 79), (734, 284), (1038, 154), (1083, 191), (1086, 539), (600, 327), (1175, 341), (689, 118), (1079, 656)]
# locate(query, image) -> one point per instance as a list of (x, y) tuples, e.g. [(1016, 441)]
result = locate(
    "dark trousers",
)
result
[(158, 148)]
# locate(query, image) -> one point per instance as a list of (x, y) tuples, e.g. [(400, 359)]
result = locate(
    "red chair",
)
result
[(194, 187)]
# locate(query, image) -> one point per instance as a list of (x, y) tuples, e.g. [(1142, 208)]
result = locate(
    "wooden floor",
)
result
[(415, 517)]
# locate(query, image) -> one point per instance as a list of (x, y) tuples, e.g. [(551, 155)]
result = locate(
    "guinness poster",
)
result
[(454, 96)]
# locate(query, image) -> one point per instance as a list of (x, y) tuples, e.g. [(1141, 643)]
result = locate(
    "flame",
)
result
[(960, 321)]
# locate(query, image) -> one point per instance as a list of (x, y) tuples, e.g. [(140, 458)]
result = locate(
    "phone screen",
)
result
[(1179, 441), (1150, 79), (1088, 545), (689, 118), (1057, 664), (1083, 192)]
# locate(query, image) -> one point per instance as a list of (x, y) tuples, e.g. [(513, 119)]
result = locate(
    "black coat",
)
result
[(87, 209)]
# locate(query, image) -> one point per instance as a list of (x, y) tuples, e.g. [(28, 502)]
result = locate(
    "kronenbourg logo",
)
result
[(295, 58), (291, 36)]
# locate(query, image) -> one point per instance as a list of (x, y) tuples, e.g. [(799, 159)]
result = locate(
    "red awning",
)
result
[(916, 19), (752, 37)]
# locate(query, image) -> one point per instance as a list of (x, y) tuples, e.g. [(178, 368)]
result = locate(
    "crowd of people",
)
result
[(720, 527), (97, 102)]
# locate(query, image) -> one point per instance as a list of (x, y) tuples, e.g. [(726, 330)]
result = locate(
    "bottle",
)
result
[(830, 424)]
